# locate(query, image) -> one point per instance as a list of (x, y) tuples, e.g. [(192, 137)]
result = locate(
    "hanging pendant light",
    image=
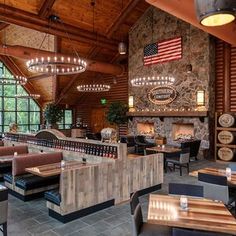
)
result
[(56, 65), (122, 48), (94, 88), (215, 12)]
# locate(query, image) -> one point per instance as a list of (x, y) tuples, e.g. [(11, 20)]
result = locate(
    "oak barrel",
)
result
[(225, 154), (225, 137), (226, 120)]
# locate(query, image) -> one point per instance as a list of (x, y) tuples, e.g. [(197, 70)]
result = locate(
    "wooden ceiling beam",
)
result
[(29, 20), (38, 77), (14, 69), (122, 17), (3, 25), (28, 53), (46, 8)]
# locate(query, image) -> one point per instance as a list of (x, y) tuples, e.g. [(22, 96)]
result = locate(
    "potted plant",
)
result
[(116, 114), (52, 115)]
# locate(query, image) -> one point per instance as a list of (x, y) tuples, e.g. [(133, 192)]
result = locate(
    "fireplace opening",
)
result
[(182, 131), (146, 129)]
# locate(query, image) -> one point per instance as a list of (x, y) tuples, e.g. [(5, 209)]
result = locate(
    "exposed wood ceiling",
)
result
[(25, 23), (185, 10)]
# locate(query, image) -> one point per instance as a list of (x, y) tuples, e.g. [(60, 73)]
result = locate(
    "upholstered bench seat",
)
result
[(32, 182), (53, 196), (8, 177)]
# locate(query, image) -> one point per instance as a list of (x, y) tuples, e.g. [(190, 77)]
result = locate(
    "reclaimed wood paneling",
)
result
[(107, 181)]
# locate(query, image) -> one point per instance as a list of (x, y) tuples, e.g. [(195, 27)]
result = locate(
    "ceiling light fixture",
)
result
[(150, 81), (122, 48), (215, 13), (93, 88), (30, 95), (56, 65)]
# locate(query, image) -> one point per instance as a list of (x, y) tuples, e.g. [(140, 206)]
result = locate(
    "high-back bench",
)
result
[(9, 151), (27, 186)]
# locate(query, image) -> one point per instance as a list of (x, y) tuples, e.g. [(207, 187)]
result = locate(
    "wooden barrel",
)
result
[(225, 154), (226, 120), (225, 137)]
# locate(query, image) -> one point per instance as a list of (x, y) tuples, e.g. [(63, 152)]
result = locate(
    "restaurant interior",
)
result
[(117, 118)]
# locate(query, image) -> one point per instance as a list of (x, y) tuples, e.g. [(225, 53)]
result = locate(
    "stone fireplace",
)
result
[(182, 131), (146, 129)]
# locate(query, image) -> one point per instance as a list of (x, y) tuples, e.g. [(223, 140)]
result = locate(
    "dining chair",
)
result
[(194, 148), (216, 187), (186, 189), (141, 228), (3, 209), (180, 161), (187, 232)]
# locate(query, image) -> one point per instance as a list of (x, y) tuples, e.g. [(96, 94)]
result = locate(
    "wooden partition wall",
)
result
[(225, 81)]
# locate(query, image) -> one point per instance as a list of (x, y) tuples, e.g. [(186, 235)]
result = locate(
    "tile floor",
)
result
[(31, 218)]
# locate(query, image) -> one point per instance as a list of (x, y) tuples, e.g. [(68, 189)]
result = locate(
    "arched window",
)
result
[(23, 111)]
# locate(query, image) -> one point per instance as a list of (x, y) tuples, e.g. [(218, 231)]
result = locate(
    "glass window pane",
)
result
[(9, 90), (68, 116), (9, 104), (0, 103), (34, 106), (22, 118), (22, 104), (34, 117), (60, 127), (23, 128), (1, 90), (34, 128), (6, 128), (1, 116), (21, 90), (9, 117)]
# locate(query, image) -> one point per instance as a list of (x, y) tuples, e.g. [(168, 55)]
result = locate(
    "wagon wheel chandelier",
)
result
[(12, 80), (93, 88), (56, 64), (30, 95), (154, 80)]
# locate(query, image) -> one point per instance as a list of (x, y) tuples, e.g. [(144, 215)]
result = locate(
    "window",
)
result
[(66, 120), (23, 111)]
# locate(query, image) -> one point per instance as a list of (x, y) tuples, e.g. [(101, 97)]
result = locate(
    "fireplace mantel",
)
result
[(168, 113)]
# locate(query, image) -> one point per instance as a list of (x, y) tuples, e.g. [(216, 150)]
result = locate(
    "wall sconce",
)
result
[(200, 97), (131, 103), (215, 13)]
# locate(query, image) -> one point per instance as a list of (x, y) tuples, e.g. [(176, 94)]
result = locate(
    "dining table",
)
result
[(165, 149), (200, 214), (56, 168), (216, 171)]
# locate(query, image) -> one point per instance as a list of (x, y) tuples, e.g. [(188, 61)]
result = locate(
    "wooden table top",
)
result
[(215, 171), (202, 214), (55, 168), (165, 149)]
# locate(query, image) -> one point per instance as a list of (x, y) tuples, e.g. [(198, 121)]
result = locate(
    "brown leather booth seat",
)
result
[(10, 150), (27, 186)]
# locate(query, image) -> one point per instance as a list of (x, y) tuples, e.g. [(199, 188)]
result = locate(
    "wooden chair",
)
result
[(3, 209), (186, 189), (141, 228), (179, 161)]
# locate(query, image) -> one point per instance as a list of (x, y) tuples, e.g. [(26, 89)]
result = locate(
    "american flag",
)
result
[(162, 52)]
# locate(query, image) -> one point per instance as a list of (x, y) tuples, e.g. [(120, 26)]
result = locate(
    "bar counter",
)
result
[(106, 182)]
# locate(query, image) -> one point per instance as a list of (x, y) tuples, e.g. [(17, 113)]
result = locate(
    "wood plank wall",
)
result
[(118, 92), (225, 81)]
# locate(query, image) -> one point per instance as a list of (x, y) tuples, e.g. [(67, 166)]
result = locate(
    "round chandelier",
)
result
[(30, 95), (150, 81), (57, 65), (13, 80), (93, 88), (54, 64)]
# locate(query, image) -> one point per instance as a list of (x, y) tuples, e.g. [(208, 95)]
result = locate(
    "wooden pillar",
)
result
[(226, 77)]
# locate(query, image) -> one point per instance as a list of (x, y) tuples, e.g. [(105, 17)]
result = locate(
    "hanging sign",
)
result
[(162, 95)]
